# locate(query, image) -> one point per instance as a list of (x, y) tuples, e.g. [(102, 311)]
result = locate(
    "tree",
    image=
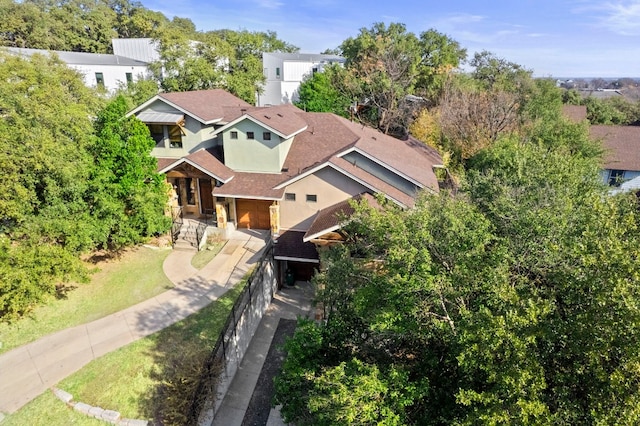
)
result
[(128, 198), (321, 92), (44, 221), (440, 55), (513, 301)]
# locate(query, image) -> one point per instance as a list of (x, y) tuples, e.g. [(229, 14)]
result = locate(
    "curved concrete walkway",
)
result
[(29, 370)]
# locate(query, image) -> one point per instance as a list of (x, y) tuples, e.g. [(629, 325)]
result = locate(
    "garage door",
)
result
[(253, 214)]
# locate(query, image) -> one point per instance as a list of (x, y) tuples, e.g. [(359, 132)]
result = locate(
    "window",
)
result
[(175, 137), (157, 133), (250, 135), (314, 70), (129, 77), (289, 196), (312, 198), (266, 136), (615, 177), (233, 135), (277, 72), (100, 80)]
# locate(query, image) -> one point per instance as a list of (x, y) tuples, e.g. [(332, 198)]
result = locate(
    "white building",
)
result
[(141, 49), (99, 70), (285, 71)]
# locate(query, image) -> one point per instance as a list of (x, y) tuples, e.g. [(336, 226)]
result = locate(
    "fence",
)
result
[(234, 339)]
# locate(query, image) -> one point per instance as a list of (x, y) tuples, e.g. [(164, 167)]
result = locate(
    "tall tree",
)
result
[(514, 301), (44, 220), (128, 198)]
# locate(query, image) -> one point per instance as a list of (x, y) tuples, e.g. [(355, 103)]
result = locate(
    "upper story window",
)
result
[(233, 134), (278, 72), (289, 196), (157, 133), (129, 77), (312, 198), (160, 133), (100, 80), (250, 135), (175, 136), (266, 136)]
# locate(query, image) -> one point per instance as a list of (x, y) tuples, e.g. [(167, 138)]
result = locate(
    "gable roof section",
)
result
[(282, 120), (328, 137), (205, 160), (206, 106), (332, 218), (80, 58), (621, 145)]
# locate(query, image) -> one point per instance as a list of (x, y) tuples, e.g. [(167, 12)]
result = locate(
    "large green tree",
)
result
[(514, 301), (44, 222), (128, 198)]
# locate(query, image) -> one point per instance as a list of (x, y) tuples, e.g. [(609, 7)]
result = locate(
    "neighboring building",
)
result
[(622, 152), (285, 71), (99, 70), (141, 49), (278, 168)]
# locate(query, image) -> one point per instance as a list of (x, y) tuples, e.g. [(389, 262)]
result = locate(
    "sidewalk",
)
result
[(29, 370), (248, 400)]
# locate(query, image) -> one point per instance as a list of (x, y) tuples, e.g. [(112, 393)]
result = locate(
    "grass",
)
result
[(135, 276), (203, 257), (152, 378)]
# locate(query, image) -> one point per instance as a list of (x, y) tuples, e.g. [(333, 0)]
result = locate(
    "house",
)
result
[(99, 70), (278, 167), (285, 71), (622, 153), (141, 49)]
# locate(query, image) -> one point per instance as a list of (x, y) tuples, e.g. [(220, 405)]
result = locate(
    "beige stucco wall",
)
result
[(254, 155), (328, 185)]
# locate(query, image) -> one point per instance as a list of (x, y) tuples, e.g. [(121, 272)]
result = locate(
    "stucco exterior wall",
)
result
[(254, 155), (114, 75), (329, 187)]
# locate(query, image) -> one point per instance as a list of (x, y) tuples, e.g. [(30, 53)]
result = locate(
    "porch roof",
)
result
[(251, 185), (155, 117), (290, 246), (333, 217), (205, 160)]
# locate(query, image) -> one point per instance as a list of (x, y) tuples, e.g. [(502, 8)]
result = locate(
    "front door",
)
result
[(206, 199)]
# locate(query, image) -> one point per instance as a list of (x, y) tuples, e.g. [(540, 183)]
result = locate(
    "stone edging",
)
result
[(109, 416)]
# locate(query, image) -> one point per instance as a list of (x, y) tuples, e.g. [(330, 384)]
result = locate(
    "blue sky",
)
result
[(558, 38)]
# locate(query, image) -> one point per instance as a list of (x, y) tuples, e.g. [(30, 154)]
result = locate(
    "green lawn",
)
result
[(203, 257), (136, 276), (153, 378)]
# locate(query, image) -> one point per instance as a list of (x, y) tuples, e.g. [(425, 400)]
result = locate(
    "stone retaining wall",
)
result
[(108, 416)]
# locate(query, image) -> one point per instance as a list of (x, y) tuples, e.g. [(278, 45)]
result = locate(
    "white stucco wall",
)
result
[(114, 75)]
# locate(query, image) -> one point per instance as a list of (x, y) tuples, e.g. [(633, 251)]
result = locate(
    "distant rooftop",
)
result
[(79, 58), (307, 57)]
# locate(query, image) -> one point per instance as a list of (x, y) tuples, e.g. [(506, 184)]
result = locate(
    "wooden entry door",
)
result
[(206, 199), (253, 214)]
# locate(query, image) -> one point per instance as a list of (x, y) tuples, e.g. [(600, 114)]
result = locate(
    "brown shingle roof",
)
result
[(283, 118), (575, 113), (290, 245), (332, 217), (621, 145), (210, 161), (207, 105), (251, 185)]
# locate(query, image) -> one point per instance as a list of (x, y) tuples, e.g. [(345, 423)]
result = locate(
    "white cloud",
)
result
[(623, 17)]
